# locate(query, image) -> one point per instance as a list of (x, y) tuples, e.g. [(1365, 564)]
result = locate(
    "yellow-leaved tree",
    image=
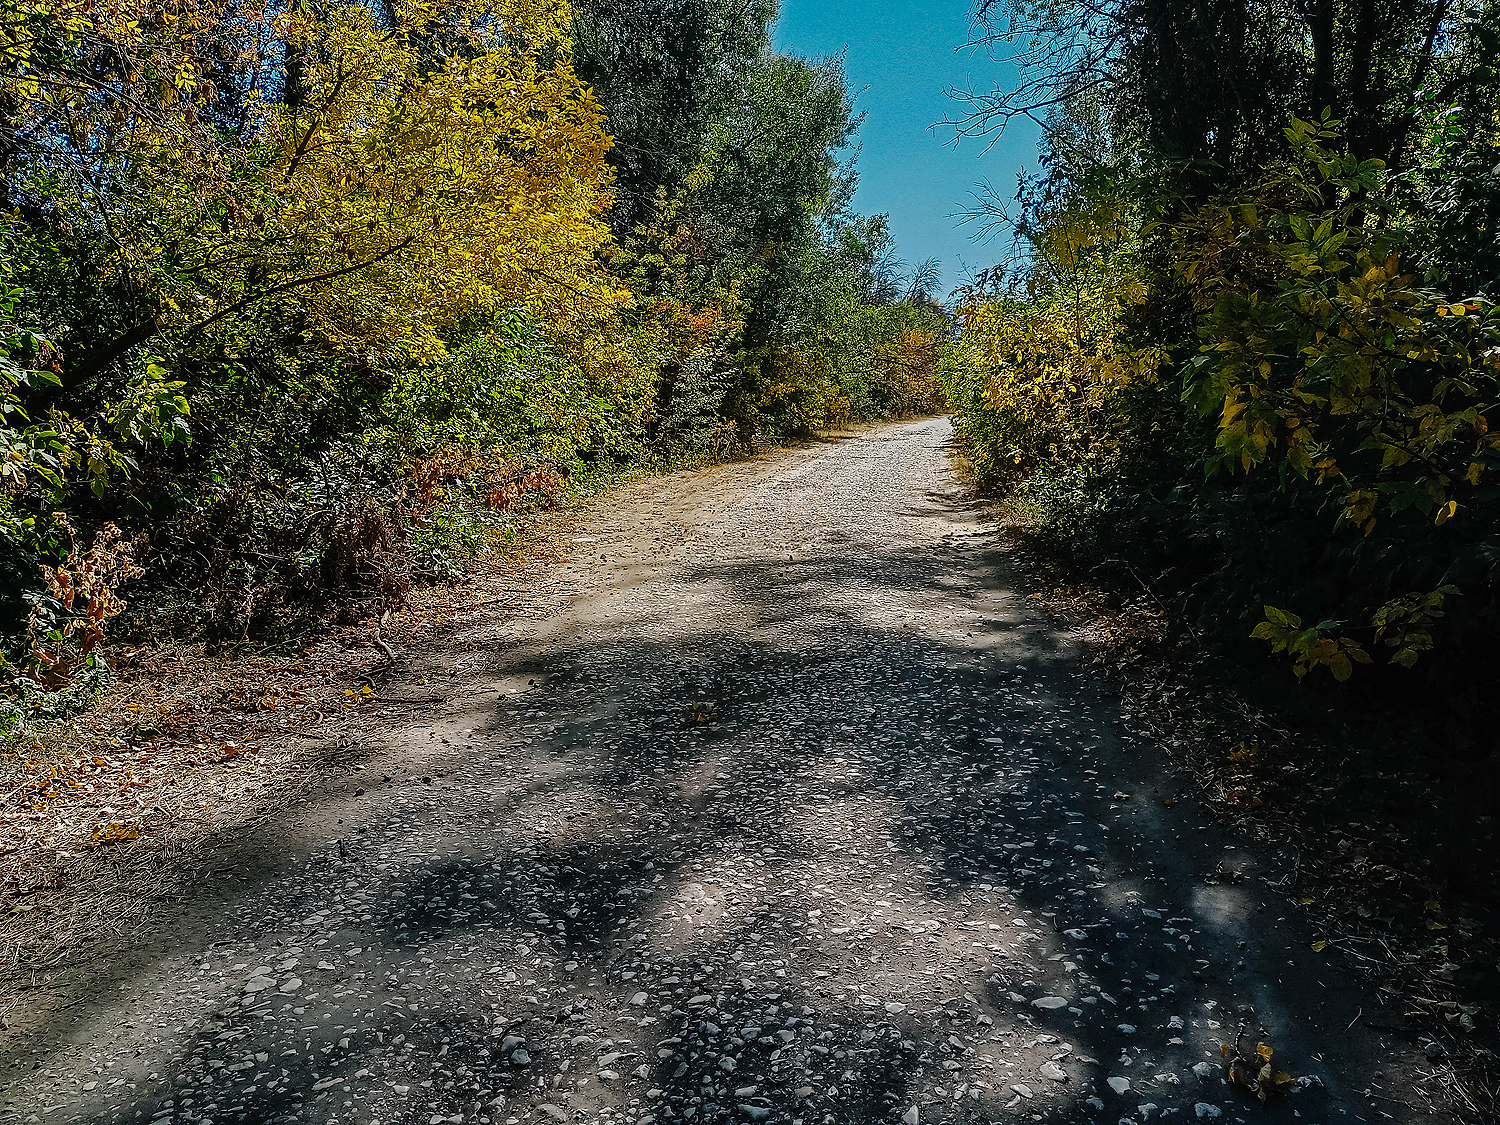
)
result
[(400, 168), (1039, 374)]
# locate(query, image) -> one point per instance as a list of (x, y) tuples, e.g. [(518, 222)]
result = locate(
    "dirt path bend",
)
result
[(782, 807)]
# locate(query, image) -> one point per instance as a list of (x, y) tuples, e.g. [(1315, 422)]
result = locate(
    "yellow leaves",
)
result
[(1319, 945), (114, 833), (1272, 1081), (1393, 456), (1277, 623), (1317, 351), (186, 78), (1339, 655), (1246, 753), (1254, 1072), (1056, 368), (799, 386), (1359, 508), (436, 193)]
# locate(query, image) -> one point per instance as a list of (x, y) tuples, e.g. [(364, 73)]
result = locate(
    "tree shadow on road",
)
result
[(1067, 918)]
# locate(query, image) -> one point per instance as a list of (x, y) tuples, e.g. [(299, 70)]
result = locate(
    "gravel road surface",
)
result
[(781, 805)]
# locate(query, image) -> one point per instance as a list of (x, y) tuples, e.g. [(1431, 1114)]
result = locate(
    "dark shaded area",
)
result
[(871, 693)]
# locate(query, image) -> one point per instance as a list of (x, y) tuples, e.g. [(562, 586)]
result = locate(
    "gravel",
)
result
[(787, 807)]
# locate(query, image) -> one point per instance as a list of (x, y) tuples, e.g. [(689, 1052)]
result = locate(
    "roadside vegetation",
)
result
[(1241, 371), (307, 304), (303, 303)]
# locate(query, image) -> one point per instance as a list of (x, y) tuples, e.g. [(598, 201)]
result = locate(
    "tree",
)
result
[(1216, 80), (401, 178), (666, 72)]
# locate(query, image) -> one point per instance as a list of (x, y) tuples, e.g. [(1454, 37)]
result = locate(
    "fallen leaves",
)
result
[(1254, 1072), (1452, 1012), (1247, 753), (114, 833), (1356, 845)]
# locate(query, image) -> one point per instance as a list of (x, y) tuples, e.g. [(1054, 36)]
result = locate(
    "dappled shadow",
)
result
[(897, 856), (1011, 814)]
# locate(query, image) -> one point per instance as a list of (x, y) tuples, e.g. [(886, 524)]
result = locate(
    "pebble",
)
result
[(693, 920)]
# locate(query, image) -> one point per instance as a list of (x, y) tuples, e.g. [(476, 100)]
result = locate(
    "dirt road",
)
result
[(779, 806)]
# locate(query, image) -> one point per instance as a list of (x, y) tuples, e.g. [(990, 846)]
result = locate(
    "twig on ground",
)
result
[(390, 657)]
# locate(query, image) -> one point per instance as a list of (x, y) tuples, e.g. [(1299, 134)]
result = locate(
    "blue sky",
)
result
[(901, 56)]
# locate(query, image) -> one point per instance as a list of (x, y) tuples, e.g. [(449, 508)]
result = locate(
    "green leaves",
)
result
[(1404, 624), (1323, 357), (1319, 351), (1310, 648), (153, 409)]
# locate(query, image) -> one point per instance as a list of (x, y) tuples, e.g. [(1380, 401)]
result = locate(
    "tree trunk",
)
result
[(99, 357), (1320, 24), (1361, 110)]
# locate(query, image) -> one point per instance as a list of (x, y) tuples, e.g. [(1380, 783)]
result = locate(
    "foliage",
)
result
[(68, 621), (1274, 404), (1321, 352), (1041, 378), (1312, 323), (397, 270), (514, 390), (668, 71)]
